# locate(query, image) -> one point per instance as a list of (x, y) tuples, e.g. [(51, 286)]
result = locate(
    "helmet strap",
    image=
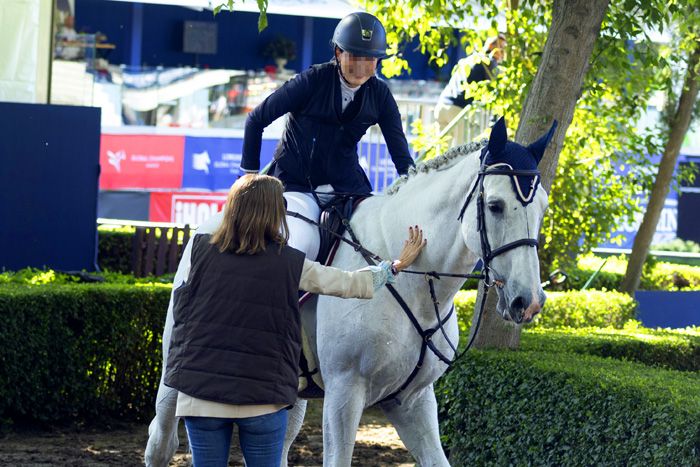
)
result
[(340, 68)]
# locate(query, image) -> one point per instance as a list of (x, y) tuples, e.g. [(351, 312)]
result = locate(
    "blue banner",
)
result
[(214, 163), (377, 164), (665, 229)]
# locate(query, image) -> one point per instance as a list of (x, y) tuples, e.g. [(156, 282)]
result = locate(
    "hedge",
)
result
[(656, 275), (677, 350), (667, 276), (677, 245), (542, 408), (566, 309), (76, 352), (114, 247), (31, 276)]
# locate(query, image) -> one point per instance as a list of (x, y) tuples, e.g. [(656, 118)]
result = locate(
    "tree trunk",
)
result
[(662, 184), (493, 330), (553, 94)]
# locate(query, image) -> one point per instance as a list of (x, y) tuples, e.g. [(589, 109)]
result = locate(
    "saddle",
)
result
[(331, 225)]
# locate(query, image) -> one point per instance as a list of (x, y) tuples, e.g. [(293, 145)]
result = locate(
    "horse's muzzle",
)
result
[(522, 309)]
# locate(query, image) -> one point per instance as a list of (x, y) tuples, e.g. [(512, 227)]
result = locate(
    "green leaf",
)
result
[(262, 19)]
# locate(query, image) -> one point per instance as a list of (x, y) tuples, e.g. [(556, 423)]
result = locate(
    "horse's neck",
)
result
[(432, 200)]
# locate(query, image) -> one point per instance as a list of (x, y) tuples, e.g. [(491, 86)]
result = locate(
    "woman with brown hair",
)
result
[(236, 339)]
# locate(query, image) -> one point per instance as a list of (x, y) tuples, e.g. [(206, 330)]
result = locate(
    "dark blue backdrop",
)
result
[(48, 186), (239, 42)]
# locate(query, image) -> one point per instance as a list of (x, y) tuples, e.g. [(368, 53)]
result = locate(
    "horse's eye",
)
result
[(496, 207)]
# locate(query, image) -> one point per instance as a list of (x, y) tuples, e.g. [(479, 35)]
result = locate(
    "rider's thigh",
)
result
[(302, 235)]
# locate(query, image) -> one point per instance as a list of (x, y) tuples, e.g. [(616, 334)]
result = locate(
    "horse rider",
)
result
[(235, 345), (330, 106)]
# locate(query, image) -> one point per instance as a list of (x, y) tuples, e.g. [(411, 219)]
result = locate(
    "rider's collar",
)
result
[(345, 84)]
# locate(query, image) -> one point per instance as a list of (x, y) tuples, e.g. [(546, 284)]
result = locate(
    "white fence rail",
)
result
[(374, 156)]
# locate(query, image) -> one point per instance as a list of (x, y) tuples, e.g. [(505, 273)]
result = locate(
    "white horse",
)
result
[(366, 349)]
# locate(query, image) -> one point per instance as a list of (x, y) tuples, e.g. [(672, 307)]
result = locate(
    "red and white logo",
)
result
[(115, 159), (185, 208)]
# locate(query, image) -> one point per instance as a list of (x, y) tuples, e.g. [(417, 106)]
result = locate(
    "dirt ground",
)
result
[(377, 445)]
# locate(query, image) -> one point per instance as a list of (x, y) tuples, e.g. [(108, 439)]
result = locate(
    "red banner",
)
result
[(185, 208), (141, 161)]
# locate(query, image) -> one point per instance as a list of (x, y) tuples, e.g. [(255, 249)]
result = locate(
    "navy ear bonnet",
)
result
[(500, 151)]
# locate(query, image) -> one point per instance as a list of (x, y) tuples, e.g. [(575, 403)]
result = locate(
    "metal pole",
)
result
[(52, 37)]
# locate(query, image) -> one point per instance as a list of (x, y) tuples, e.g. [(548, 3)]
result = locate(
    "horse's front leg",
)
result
[(417, 424), (342, 408), (295, 420), (162, 432)]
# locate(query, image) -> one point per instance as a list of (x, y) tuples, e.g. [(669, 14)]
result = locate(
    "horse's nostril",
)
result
[(517, 309), (517, 303)]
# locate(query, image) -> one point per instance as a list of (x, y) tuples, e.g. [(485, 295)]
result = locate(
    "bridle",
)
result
[(488, 254)]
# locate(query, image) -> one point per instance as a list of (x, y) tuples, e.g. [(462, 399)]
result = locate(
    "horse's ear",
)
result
[(498, 138), (537, 148)]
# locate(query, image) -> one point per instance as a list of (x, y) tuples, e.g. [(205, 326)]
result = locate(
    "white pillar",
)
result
[(25, 50)]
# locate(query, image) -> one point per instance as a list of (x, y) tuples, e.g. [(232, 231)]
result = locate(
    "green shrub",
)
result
[(31, 276), (541, 408), (566, 309), (115, 245), (114, 248), (657, 275), (677, 350), (679, 245), (604, 280), (76, 352), (667, 276)]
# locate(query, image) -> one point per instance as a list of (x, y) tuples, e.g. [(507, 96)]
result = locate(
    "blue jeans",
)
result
[(261, 438)]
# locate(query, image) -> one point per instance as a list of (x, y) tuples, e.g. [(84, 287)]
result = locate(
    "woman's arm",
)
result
[(326, 280)]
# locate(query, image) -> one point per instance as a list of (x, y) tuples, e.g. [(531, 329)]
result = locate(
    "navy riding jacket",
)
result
[(319, 144)]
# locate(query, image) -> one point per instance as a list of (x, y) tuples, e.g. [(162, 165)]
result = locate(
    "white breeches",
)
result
[(302, 235)]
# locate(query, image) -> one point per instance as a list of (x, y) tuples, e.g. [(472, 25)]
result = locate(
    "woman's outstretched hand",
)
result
[(411, 248)]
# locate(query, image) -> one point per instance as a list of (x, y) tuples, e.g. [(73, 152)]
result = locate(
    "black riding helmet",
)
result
[(361, 34)]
